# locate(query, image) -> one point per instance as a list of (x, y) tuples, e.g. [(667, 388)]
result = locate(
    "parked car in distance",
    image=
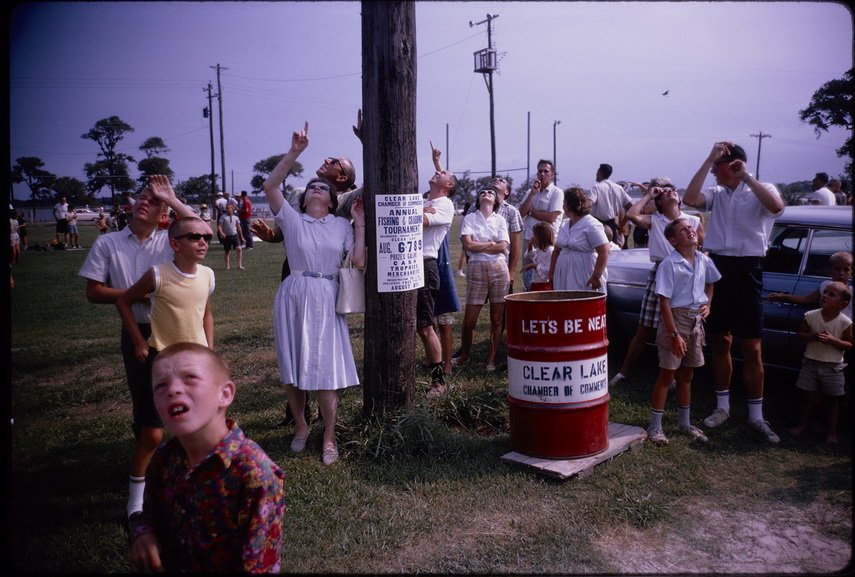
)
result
[(86, 215), (801, 241)]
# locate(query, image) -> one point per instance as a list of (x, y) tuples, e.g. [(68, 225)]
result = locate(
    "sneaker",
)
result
[(657, 437), (718, 417), (694, 432), (616, 379), (461, 273), (765, 430)]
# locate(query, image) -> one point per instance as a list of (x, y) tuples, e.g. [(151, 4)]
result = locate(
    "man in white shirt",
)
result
[(438, 214), (821, 193), (115, 262), (60, 214), (544, 202), (742, 212), (609, 202)]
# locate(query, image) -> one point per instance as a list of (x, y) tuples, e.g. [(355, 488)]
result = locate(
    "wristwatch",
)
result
[(675, 335)]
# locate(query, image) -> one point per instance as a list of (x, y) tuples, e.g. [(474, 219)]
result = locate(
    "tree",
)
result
[(388, 138), (195, 190), (831, 105), (263, 168), (112, 170), (154, 165), (100, 174), (74, 191), (154, 146), (28, 169)]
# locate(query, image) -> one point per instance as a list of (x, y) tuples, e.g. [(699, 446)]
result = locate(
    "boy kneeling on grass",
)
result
[(214, 501), (828, 334), (684, 283)]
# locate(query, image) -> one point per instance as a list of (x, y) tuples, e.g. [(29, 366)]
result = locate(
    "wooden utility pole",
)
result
[(390, 164)]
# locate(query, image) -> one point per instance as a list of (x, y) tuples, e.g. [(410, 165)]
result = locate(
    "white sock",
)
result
[(755, 410), (722, 400), (683, 417), (136, 488), (655, 420)]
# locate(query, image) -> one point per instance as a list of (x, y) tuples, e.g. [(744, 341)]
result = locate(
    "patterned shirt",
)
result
[(224, 515)]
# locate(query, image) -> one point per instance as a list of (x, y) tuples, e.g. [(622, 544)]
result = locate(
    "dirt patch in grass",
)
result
[(706, 537)]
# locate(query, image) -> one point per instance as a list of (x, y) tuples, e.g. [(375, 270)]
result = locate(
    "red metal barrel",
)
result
[(558, 384)]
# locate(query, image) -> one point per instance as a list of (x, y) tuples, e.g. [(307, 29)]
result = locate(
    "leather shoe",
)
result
[(298, 444), (330, 454)]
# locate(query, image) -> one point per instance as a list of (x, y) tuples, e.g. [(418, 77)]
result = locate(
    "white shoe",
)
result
[(657, 437), (763, 428), (461, 273), (616, 379), (694, 432), (716, 419)]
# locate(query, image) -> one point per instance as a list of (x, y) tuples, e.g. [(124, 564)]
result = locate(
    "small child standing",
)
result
[(684, 283), (828, 334), (214, 500), (539, 252), (180, 293)]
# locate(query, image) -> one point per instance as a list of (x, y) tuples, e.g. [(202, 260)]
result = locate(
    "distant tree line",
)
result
[(831, 105)]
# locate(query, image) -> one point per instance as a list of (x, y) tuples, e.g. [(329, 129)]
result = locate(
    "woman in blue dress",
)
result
[(312, 341)]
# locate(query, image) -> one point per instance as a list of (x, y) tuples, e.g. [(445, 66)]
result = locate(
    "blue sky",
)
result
[(731, 69)]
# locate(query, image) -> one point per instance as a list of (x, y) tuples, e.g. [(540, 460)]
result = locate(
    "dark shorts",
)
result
[(427, 295), (737, 305), (230, 242), (139, 382), (62, 226)]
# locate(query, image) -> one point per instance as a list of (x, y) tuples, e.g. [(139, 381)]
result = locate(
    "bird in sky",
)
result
[(666, 93)]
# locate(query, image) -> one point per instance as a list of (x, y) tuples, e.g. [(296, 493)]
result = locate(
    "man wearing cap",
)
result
[(609, 202), (742, 211), (821, 194), (667, 201), (220, 210)]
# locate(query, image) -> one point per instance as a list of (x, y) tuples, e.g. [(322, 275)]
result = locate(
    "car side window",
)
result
[(786, 249), (823, 244)]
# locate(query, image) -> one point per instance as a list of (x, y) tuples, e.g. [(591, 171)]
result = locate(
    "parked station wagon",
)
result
[(801, 241)]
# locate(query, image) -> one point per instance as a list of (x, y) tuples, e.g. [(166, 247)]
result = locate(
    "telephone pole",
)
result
[(485, 63), (206, 112), (759, 138), (222, 141)]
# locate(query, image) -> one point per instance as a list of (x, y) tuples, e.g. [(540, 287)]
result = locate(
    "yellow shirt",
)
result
[(178, 305)]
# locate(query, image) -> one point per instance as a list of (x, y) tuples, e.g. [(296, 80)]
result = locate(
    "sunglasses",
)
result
[(488, 191), (318, 186), (332, 160), (196, 236)]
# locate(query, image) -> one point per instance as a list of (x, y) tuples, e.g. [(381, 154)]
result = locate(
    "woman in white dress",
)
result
[(581, 248), (312, 341)]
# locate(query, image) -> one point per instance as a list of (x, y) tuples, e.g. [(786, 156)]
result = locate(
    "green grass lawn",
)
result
[(418, 492)]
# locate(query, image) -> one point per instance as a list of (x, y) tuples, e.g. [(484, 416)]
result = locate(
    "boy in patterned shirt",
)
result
[(214, 501)]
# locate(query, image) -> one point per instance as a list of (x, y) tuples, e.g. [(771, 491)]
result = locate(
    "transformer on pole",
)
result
[(485, 63)]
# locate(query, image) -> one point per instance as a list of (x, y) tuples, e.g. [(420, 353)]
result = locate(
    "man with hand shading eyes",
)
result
[(114, 263)]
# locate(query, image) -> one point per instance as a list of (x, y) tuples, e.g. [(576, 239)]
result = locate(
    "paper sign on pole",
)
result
[(399, 242)]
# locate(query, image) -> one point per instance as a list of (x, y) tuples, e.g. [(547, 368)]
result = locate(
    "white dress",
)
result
[(312, 342), (578, 256)]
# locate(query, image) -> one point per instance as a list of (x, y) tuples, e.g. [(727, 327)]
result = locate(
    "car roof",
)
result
[(835, 216)]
